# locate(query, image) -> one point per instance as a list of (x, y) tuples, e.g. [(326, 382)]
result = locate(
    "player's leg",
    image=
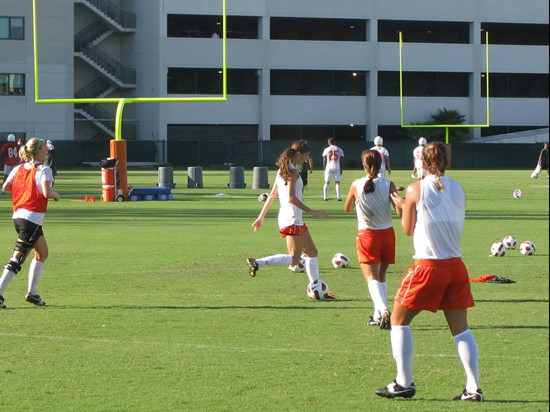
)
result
[(328, 178), (35, 271), (20, 252), (372, 278), (312, 264)]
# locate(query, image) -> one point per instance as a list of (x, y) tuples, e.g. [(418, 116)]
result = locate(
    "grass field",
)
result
[(150, 307)]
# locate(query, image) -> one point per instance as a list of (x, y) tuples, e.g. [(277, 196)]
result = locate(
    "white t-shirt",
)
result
[(383, 152), (417, 156), (43, 173), (333, 154), (288, 213), (373, 209), (439, 219)]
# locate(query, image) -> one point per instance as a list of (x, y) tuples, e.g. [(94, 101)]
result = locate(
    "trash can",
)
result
[(259, 178), (108, 179), (166, 177), (236, 178), (194, 177)]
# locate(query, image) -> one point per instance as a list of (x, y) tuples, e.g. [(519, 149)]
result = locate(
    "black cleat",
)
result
[(252, 266), (2, 304), (35, 300), (394, 390), (476, 396), (385, 322)]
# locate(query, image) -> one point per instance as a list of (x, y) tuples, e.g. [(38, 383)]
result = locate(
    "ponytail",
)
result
[(283, 162), (435, 157), (371, 161)]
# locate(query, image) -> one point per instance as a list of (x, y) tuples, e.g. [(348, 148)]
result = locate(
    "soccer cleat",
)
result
[(330, 295), (413, 176), (2, 304), (35, 300), (476, 396), (385, 322), (373, 322), (394, 390), (252, 266)]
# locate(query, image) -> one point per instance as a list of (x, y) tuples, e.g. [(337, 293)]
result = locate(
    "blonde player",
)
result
[(288, 186), (332, 156), (375, 241), (433, 213)]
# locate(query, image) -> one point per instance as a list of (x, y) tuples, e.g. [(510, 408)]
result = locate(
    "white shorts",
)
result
[(332, 173)]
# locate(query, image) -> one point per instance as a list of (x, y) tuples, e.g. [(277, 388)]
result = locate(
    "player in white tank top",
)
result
[(375, 239), (288, 186), (433, 212)]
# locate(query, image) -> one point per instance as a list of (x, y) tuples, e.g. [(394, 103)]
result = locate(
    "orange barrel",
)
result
[(108, 185)]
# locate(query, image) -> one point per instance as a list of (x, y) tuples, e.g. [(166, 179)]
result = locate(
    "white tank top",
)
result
[(373, 209), (439, 219), (288, 213)]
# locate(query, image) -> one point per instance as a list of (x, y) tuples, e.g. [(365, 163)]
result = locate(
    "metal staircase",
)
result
[(112, 75)]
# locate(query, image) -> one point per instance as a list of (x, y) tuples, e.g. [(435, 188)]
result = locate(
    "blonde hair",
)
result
[(435, 156), (299, 146), (28, 151)]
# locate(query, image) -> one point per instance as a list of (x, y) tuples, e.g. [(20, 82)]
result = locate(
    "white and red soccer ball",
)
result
[(527, 248), (510, 242), (517, 194), (318, 290), (498, 249), (340, 261)]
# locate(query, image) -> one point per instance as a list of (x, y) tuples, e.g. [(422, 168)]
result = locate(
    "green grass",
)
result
[(150, 307)]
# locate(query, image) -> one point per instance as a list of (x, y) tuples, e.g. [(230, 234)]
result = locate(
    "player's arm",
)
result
[(350, 200), (408, 206), (397, 207), (293, 199), (48, 190), (270, 198), (388, 164)]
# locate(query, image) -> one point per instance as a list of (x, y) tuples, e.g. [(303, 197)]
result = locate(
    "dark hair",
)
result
[(372, 161), (330, 141), (436, 158), (283, 162)]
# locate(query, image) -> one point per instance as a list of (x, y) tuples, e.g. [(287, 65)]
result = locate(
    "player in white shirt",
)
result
[(332, 156), (288, 186), (378, 142), (417, 156), (434, 210), (375, 240)]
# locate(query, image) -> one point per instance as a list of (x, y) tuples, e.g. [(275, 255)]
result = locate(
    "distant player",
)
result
[(332, 156), (10, 155), (542, 162), (417, 156), (386, 167), (31, 185), (375, 240)]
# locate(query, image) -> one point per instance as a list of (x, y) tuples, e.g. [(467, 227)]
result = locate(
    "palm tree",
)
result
[(442, 117)]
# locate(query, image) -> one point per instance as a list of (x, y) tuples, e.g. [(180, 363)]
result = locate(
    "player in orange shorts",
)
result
[(433, 213), (375, 241)]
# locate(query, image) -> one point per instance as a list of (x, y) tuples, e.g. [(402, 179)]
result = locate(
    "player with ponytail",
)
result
[(434, 210), (288, 187), (31, 185), (375, 240)]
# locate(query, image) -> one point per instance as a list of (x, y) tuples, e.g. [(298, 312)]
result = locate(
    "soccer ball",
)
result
[(527, 248), (498, 249), (510, 242), (516, 194), (263, 197), (299, 268), (340, 261), (317, 290)]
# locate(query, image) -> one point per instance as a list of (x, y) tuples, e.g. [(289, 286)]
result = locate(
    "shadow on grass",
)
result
[(512, 300)]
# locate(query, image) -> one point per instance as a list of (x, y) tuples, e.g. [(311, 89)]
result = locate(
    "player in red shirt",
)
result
[(31, 185), (10, 154)]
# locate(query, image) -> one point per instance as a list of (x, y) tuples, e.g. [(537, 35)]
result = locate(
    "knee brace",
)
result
[(13, 265)]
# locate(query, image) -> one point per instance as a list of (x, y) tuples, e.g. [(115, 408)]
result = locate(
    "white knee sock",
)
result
[(6, 278), (338, 191), (35, 273), (384, 286), (274, 260), (466, 347), (325, 191), (376, 294), (312, 268), (402, 349)]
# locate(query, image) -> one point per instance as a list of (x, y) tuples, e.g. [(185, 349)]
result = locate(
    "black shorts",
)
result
[(27, 231), (303, 175)]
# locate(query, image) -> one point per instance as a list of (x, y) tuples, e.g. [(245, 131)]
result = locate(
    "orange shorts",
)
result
[(436, 285), (375, 246), (293, 230)]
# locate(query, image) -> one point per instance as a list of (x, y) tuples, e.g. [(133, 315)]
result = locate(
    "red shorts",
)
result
[(375, 246), (436, 285), (293, 230)]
